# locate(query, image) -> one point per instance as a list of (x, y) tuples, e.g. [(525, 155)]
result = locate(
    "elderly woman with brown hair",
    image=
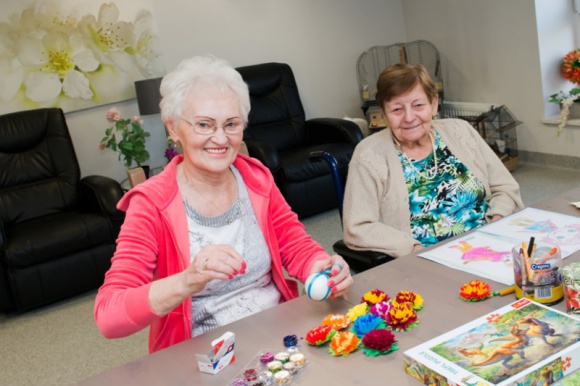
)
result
[(206, 242), (421, 181)]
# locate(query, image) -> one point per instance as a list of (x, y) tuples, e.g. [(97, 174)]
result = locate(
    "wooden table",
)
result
[(443, 311)]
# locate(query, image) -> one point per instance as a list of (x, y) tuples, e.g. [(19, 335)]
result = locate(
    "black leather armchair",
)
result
[(281, 138), (57, 231)]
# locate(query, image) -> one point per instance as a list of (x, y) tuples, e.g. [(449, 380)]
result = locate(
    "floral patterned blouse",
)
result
[(447, 205)]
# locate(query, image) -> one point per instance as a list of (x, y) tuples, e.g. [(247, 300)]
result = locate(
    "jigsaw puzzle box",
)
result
[(524, 343)]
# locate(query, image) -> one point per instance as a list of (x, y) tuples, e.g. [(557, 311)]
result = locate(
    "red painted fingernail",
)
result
[(243, 270), (230, 277), (235, 272), (244, 264), (333, 289), (331, 283)]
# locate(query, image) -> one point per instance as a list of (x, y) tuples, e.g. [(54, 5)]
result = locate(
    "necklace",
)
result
[(220, 211), (430, 173)]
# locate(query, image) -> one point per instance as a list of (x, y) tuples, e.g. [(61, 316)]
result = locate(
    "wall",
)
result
[(321, 40), (490, 53)]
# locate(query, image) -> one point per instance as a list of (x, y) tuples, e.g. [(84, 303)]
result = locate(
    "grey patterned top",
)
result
[(223, 302)]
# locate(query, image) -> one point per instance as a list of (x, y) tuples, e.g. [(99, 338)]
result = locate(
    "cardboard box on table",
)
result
[(522, 343), (221, 354)]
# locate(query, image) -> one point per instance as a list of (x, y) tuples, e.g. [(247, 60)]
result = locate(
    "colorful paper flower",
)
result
[(402, 316), (375, 296), (343, 343), (381, 309), (379, 342), (366, 323), (415, 300), (320, 335), (356, 311), (571, 66), (571, 298), (338, 322), (475, 291)]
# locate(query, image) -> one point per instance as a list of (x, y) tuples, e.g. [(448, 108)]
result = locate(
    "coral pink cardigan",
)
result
[(153, 244)]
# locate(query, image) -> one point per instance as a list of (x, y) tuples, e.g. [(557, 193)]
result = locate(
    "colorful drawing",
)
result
[(471, 254), (487, 252)]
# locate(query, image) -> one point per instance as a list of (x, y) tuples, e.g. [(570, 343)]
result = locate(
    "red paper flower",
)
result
[(571, 298), (415, 300), (571, 66), (475, 291), (375, 296), (320, 335), (402, 316), (378, 342)]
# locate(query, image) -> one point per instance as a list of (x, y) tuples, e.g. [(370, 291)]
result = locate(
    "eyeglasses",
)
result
[(208, 127)]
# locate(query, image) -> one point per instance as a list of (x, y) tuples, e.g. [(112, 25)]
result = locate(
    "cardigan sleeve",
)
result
[(122, 303), (371, 214), (504, 192)]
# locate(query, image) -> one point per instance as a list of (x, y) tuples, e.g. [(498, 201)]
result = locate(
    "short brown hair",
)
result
[(400, 78)]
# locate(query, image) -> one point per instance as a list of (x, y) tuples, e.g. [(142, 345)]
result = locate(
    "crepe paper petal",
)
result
[(320, 335), (401, 317), (366, 323), (356, 311), (381, 309), (337, 321), (379, 342), (343, 343), (414, 299), (375, 296), (475, 291)]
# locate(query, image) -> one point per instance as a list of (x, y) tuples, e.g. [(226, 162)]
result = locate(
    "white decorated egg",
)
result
[(316, 286)]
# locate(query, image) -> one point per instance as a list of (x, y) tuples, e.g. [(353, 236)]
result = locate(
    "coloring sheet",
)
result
[(487, 252), (478, 253), (547, 228)]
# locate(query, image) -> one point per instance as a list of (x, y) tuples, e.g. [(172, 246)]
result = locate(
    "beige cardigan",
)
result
[(376, 202)]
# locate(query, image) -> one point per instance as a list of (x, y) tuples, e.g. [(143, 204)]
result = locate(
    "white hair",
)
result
[(200, 73)]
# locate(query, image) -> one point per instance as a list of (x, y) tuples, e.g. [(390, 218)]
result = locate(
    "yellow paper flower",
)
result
[(402, 316), (343, 343), (375, 296), (414, 299), (356, 311)]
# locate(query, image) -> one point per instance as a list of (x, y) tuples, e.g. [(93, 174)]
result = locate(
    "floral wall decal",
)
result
[(58, 54)]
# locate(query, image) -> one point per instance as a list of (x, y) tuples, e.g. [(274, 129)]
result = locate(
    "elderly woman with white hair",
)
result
[(206, 241)]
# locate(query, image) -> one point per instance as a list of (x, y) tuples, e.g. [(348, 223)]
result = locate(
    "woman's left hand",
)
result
[(340, 278)]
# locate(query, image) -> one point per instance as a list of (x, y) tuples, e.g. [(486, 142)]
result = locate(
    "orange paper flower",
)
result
[(343, 343), (338, 322), (475, 291), (571, 66)]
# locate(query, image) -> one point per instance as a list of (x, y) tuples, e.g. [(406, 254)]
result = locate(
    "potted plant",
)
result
[(127, 137), (571, 72)]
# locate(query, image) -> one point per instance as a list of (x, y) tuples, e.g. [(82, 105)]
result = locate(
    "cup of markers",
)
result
[(538, 272)]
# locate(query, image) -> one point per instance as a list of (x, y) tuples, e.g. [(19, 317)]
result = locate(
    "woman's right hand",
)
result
[(221, 262)]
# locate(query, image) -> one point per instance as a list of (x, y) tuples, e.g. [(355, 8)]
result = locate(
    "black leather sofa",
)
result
[(279, 135), (57, 231)]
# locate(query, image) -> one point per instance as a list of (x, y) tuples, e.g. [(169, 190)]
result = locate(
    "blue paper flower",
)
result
[(366, 323)]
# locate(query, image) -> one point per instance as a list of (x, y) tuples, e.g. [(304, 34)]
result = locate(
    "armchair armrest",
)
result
[(101, 194), (325, 130), (266, 153), (2, 238)]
